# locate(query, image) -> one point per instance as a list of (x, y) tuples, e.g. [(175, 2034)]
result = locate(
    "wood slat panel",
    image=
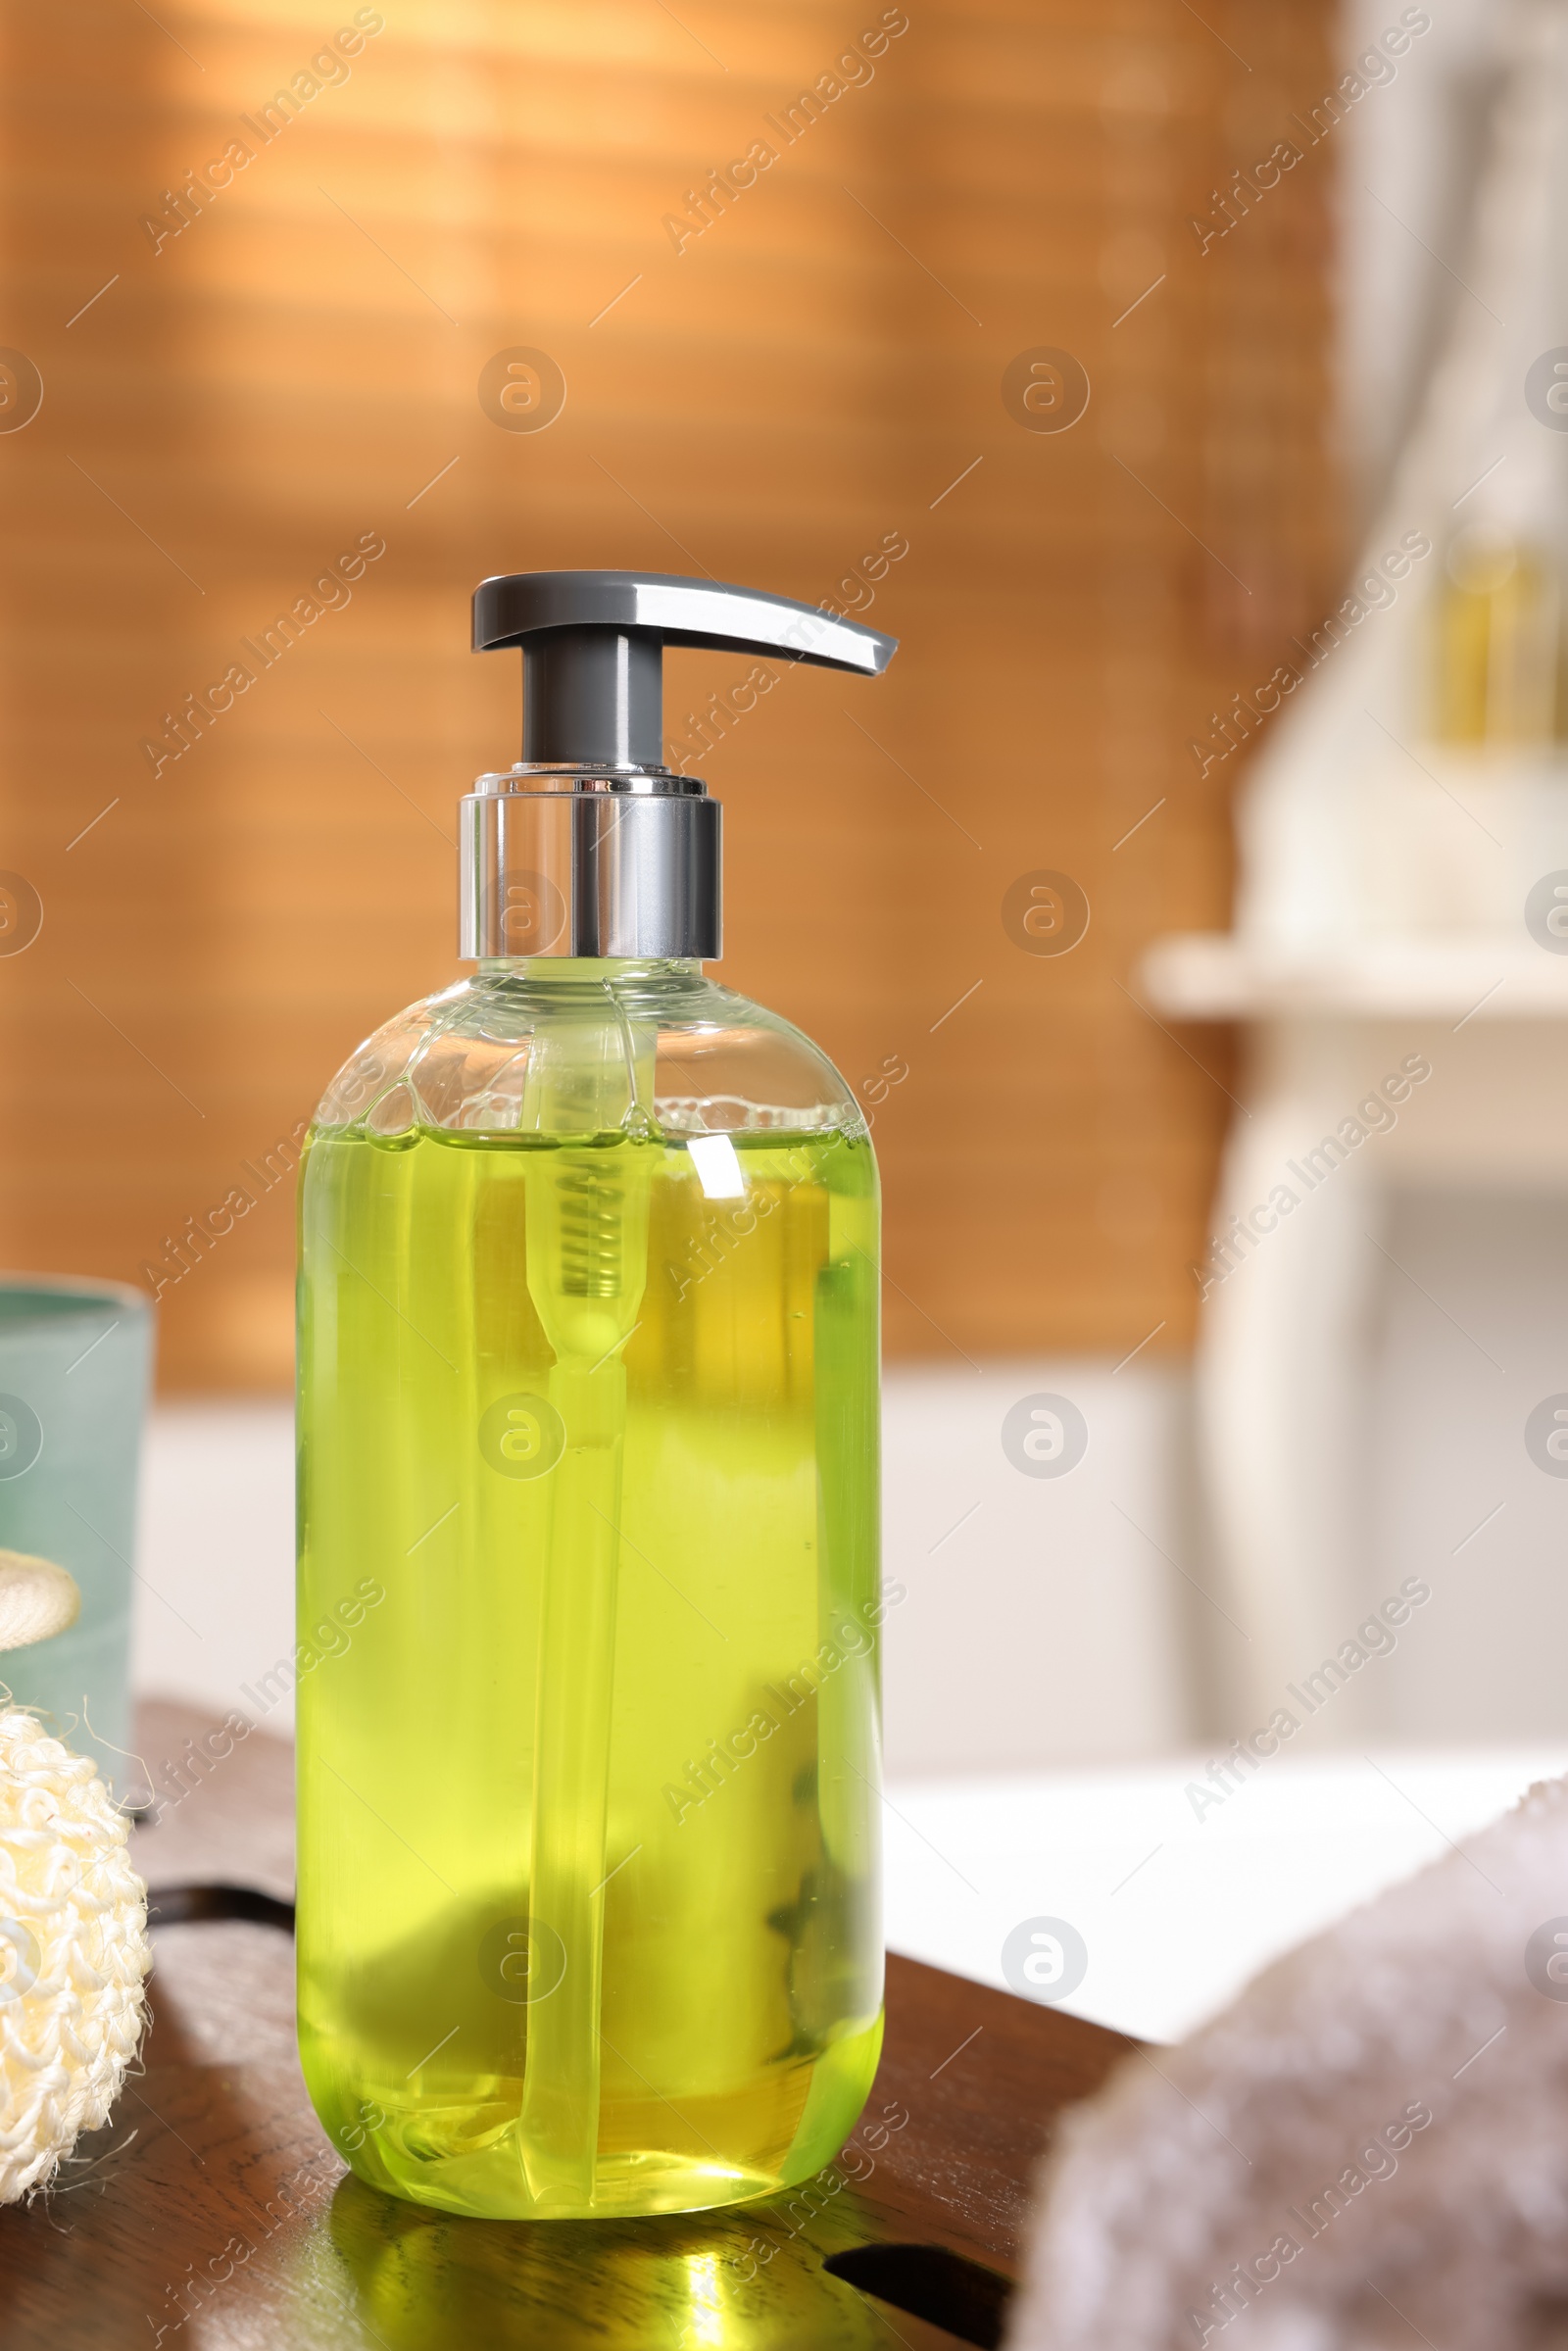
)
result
[(815, 370)]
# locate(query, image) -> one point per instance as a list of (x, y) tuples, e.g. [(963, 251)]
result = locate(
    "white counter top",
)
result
[(1177, 1911)]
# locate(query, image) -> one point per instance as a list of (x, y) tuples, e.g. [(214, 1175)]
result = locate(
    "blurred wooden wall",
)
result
[(818, 374)]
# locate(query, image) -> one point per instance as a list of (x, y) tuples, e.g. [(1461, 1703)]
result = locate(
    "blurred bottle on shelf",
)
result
[(1499, 643)]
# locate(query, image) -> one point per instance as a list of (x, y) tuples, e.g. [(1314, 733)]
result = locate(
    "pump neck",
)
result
[(556, 862)]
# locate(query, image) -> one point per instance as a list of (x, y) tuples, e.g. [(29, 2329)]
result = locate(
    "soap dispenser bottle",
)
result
[(589, 1595)]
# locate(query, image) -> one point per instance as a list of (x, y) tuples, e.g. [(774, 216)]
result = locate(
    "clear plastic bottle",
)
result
[(589, 1577)]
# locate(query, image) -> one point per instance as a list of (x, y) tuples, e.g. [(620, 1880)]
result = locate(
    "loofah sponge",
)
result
[(73, 1948)]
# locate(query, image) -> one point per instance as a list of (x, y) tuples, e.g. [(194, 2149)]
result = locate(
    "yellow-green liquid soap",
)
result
[(588, 1874)]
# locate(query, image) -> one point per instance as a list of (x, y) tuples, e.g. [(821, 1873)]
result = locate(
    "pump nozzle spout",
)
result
[(593, 643), (591, 845)]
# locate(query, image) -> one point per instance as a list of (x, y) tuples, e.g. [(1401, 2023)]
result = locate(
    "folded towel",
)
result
[(1368, 2148)]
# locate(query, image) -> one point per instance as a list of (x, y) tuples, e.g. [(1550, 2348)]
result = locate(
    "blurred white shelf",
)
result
[(1177, 1912), (1224, 975)]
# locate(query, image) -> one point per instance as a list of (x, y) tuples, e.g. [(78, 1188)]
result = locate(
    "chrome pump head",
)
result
[(591, 845)]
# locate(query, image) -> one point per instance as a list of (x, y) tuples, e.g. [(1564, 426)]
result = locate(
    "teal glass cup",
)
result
[(75, 1362)]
